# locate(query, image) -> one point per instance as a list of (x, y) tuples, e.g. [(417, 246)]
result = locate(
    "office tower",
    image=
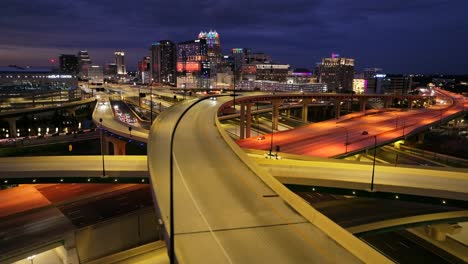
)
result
[(337, 73), (397, 84), (144, 69), (272, 72), (120, 62), (163, 62), (110, 69), (239, 56), (68, 64), (373, 77), (84, 62), (95, 75), (190, 58), (213, 43)]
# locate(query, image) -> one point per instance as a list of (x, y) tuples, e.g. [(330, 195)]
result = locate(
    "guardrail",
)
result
[(351, 243)]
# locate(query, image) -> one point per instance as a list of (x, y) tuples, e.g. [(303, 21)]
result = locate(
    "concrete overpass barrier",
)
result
[(349, 242)]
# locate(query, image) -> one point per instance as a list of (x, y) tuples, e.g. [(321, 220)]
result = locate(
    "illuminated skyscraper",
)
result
[(337, 73), (120, 62), (213, 43), (84, 62), (163, 62)]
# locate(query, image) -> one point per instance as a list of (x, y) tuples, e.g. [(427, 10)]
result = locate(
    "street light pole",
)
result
[(151, 104), (347, 137), (373, 163), (102, 148)]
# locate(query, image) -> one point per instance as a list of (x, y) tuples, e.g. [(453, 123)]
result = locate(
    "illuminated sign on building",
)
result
[(305, 74), (59, 76), (381, 75), (189, 66), (273, 66)]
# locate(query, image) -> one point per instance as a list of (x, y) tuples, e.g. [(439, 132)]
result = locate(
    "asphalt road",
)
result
[(358, 211), (404, 247), (221, 210), (90, 211), (325, 139)]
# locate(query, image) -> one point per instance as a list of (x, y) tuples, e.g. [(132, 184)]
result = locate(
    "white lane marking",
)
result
[(200, 212)]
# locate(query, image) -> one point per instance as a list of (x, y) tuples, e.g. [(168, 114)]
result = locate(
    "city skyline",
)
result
[(396, 36)]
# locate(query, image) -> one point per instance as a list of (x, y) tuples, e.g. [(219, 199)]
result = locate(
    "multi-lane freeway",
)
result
[(351, 134), (224, 213)]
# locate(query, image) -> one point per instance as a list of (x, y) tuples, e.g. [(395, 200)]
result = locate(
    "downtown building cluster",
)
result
[(200, 64)]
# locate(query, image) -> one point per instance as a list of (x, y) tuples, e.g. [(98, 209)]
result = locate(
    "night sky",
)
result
[(400, 36)]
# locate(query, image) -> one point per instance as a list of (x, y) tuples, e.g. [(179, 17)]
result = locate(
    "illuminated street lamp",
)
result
[(31, 258), (102, 149), (347, 137), (365, 133)]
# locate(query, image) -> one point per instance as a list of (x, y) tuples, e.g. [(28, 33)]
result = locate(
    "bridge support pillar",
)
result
[(11, 126), (288, 112), (421, 137), (69, 254), (275, 113), (248, 119), (387, 102), (305, 110), (242, 121), (337, 108), (410, 104), (119, 146), (362, 104), (71, 111), (439, 231)]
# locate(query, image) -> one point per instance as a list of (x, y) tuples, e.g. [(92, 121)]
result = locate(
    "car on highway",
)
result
[(262, 137)]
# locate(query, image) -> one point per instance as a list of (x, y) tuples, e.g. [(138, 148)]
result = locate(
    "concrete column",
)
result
[(119, 147), (410, 104), (305, 109), (337, 108), (105, 142), (387, 102), (248, 117), (288, 112), (242, 121), (275, 114), (421, 137), (70, 254), (71, 111), (362, 104), (11, 126)]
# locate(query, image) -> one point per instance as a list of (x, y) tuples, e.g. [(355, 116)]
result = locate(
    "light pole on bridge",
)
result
[(347, 138), (373, 163)]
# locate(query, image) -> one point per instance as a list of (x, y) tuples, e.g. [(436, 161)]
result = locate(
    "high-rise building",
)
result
[(84, 62), (397, 83), (373, 77), (213, 43), (68, 63), (110, 69), (163, 62), (337, 73), (272, 72), (239, 56), (95, 75), (191, 55), (120, 62), (144, 69)]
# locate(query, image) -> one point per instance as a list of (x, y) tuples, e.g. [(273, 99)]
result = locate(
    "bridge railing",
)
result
[(351, 243)]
